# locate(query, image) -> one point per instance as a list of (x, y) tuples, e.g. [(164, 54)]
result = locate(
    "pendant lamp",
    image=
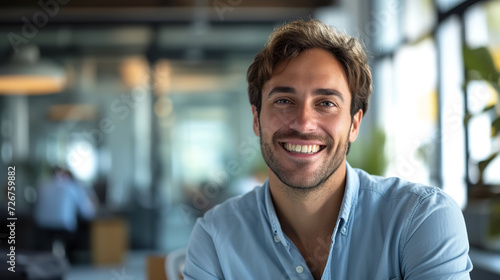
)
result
[(24, 74)]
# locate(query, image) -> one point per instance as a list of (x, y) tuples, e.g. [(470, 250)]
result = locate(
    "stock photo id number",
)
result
[(11, 219)]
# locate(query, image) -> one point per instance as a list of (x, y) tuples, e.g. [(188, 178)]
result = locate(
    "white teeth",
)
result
[(303, 149)]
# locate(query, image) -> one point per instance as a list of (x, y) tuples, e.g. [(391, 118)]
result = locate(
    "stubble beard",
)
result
[(304, 186)]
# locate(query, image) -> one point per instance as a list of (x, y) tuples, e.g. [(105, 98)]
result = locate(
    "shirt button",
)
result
[(343, 231), (299, 269), (276, 239)]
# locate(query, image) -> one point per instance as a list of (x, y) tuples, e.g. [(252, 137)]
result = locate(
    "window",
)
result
[(419, 78)]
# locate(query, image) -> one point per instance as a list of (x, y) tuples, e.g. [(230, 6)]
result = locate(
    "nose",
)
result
[(304, 119)]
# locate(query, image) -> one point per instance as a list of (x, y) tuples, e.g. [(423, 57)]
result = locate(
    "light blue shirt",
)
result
[(60, 202), (387, 229)]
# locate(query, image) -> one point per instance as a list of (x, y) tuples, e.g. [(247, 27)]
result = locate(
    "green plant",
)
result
[(369, 153), (479, 65)]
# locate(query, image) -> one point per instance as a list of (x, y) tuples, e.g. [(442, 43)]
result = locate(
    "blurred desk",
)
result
[(109, 240)]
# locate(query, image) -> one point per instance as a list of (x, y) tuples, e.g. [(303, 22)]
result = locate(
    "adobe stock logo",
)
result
[(39, 19), (221, 7)]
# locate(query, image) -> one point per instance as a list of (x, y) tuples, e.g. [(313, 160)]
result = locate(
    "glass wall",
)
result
[(482, 33), (438, 118)]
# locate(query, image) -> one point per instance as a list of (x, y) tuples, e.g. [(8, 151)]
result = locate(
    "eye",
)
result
[(327, 104), (283, 101)]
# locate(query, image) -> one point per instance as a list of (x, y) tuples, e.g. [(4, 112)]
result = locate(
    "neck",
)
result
[(310, 215)]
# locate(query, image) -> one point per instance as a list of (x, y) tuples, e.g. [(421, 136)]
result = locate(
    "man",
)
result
[(59, 203), (316, 217)]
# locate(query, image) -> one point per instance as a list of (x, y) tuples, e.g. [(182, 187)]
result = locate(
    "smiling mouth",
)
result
[(302, 149)]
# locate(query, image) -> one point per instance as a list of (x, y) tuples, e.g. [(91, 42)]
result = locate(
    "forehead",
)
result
[(313, 68)]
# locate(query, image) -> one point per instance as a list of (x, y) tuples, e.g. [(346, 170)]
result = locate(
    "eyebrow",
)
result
[(320, 91)]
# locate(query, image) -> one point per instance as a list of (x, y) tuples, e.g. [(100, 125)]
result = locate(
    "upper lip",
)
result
[(301, 142)]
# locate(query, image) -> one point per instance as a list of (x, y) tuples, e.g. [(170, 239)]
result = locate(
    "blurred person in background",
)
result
[(316, 217), (60, 202)]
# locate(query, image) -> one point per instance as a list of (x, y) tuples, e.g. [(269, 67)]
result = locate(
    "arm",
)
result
[(86, 206), (436, 244), (202, 262)]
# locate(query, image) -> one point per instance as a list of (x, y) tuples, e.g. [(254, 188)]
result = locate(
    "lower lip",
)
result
[(301, 155)]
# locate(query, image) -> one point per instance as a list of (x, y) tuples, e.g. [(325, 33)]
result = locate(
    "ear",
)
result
[(356, 122), (255, 121)]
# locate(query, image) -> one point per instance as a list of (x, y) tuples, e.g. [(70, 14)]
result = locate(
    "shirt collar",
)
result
[(348, 203)]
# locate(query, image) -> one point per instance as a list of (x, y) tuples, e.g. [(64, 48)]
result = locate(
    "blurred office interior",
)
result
[(145, 103)]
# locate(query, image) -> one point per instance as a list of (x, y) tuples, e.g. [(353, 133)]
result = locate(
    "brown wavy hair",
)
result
[(288, 41)]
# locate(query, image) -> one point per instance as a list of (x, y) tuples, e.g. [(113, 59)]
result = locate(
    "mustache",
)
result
[(302, 136)]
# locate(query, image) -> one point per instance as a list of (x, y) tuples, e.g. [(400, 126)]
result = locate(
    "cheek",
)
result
[(272, 122), (337, 129)]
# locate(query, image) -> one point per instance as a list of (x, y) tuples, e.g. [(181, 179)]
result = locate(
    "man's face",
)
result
[(305, 123)]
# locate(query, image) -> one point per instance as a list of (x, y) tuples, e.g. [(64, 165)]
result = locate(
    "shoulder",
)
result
[(411, 204), (422, 216), (394, 188)]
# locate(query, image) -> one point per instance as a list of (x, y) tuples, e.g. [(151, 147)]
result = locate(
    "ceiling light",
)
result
[(23, 74)]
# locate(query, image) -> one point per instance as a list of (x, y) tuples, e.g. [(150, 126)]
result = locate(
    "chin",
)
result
[(302, 182)]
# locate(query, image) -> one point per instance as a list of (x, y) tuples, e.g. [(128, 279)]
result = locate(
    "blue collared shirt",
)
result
[(387, 228), (59, 203)]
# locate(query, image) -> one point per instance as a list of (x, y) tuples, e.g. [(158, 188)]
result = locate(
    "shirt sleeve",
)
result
[(85, 206), (436, 244), (202, 262)]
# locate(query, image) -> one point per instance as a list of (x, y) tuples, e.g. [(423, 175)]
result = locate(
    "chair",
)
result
[(174, 264)]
